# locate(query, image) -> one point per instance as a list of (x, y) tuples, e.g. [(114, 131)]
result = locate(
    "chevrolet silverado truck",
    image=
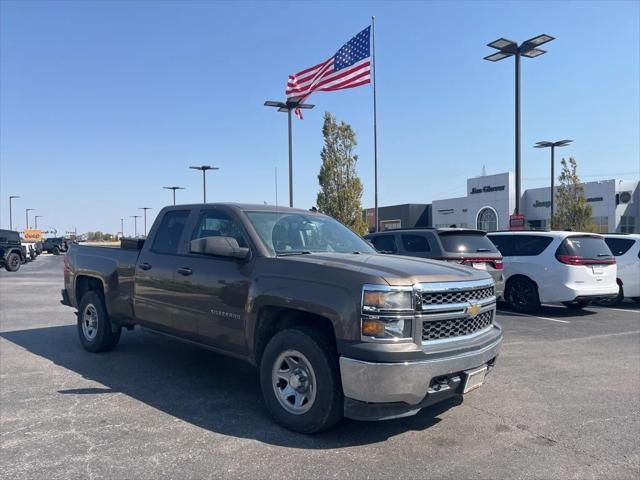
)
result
[(334, 328)]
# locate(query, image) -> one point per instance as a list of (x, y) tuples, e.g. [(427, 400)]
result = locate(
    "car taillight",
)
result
[(578, 260), (498, 265)]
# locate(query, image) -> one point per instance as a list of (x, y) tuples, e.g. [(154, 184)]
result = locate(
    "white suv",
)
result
[(626, 249), (555, 267)]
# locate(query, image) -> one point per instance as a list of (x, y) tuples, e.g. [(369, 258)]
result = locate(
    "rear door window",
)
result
[(415, 243), (531, 245), (472, 242), (385, 243), (585, 246), (619, 246), (170, 232)]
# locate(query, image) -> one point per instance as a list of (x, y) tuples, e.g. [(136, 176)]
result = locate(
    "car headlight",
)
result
[(387, 312)]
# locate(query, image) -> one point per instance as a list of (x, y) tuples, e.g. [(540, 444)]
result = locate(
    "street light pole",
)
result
[(508, 48), (122, 228), (204, 169), (145, 218), (288, 107), (174, 192), (552, 145), (36, 220), (27, 210), (135, 225), (11, 197)]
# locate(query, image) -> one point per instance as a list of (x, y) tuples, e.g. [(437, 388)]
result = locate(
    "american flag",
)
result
[(350, 67)]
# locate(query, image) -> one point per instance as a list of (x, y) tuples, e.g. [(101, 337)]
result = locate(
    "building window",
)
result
[(599, 224), (627, 224), (537, 224), (390, 224), (487, 220)]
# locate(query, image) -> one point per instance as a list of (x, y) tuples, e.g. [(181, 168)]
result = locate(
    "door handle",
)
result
[(145, 266), (186, 271)]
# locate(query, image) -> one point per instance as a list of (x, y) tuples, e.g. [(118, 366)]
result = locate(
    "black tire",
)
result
[(97, 334), (13, 262), (579, 305), (325, 409), (56, 250), (611, 302), (522, 295)]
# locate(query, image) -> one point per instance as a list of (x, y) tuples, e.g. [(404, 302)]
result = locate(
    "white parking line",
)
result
[(534, 316), (619, 309)]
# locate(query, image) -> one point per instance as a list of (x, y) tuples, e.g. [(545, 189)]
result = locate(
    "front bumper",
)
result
[(410, 383)]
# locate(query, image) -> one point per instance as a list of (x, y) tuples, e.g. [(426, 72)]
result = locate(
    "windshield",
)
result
[(290, 233), (463, 242)]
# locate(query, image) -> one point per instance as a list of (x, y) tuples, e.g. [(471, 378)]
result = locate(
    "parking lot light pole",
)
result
[(288, 107), (11, 197), (145, 218), (122, 228), (204, 169), (508, 48), (552, 145), (27, 210), (36, 220), (174, 192), (135, 225)]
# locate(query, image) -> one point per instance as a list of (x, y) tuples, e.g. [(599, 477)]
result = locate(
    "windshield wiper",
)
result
[(287, 254), (603, 255)]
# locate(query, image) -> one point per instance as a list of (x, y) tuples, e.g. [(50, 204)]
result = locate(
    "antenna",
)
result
[(276, 180)]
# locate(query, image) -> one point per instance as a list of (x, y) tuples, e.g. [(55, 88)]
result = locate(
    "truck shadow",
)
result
[(203, 388)]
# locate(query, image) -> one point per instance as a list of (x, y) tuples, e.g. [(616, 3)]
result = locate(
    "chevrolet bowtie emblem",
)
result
[(473, 310)]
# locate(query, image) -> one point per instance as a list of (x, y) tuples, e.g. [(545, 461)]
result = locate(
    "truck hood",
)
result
[(394, 269)]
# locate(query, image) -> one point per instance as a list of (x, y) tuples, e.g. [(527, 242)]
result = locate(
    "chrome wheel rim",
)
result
[(90, 322), (294, 382)]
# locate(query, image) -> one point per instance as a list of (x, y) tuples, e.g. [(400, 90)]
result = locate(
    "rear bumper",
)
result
[(391, 390), (569, 293)]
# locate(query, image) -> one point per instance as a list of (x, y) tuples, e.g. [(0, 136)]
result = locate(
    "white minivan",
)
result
[(571, 268), (626, 248)]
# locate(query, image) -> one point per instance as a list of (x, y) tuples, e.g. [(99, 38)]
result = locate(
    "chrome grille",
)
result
[(447, 297), (455, 327)]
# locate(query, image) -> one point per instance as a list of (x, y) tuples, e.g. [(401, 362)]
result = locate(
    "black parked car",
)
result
[(13, 253), (55, 245), (459, 245)]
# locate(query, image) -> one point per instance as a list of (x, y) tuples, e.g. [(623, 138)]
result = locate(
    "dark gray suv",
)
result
[(459, 245)]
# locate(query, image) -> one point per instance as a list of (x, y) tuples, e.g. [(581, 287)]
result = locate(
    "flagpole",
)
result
[(375, 117)]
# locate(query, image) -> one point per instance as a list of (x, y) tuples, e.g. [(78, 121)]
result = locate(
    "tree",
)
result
[(572, 210), (340, 192)]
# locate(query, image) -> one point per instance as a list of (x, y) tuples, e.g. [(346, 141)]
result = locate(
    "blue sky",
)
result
[(103, 103)]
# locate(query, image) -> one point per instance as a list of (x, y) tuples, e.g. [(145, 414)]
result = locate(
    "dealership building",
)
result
[(490, 200)]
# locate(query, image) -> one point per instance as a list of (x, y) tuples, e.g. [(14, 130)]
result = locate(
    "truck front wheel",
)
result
[(56, 250), (94, 326), (300, 380), (13, 262)]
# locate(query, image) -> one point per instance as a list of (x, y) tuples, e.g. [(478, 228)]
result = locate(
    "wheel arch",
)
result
[(273, 319)]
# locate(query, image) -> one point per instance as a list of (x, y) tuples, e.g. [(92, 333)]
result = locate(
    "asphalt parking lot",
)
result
[(562, 402)]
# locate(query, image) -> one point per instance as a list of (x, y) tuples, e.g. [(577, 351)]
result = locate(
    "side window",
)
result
[(415, 243), (619, 246), (531, 245), (214, 223), (170, 231), (385, 243), (504, 243)]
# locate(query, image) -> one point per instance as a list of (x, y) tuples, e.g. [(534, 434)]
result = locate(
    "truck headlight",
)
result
[(387, 312)]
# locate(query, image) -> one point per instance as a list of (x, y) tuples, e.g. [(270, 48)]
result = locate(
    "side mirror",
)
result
[(219, 246)]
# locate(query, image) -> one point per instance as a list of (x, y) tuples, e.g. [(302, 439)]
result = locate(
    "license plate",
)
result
[(598, 269), (475, 378), (480, 266)]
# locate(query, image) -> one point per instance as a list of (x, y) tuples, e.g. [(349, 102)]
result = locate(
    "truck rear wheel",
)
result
[(300, 380), (56, 250), (94, 326), (13, 262)]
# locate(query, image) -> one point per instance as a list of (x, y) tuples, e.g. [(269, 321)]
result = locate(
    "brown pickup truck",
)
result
[(334, 328)]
